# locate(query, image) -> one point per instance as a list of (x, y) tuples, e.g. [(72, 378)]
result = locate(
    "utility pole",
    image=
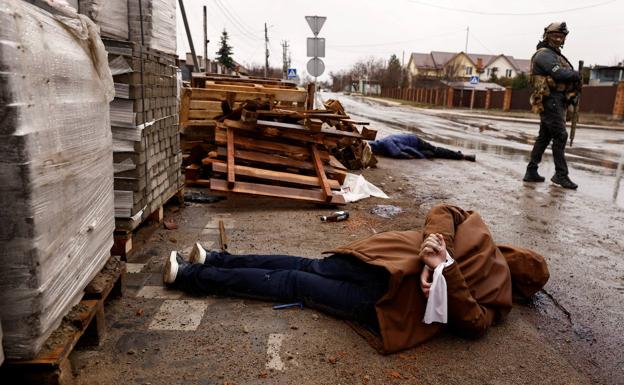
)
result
[(205, 41), (467, 30), (401, 73), (266, 51), (188, 35), (285, 59)]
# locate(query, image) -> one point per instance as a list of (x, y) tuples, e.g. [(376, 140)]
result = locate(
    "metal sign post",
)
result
[(474, 80), (316, 47)]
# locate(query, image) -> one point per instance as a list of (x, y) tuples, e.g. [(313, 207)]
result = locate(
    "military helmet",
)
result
[(556, 27)]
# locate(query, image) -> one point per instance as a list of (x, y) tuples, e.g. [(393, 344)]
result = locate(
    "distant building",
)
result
[(606, 75), (462, 66)]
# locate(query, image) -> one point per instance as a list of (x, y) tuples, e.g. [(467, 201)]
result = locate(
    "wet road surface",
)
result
[(571, 333), (592, 160)]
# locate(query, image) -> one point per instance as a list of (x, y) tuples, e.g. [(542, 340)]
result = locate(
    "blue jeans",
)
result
[(339, 285)]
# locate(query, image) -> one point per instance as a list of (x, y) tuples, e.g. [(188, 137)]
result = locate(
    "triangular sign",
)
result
[(316, 23), (292, 73)]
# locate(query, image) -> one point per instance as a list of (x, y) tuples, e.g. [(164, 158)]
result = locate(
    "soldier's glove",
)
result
[(573, 100)]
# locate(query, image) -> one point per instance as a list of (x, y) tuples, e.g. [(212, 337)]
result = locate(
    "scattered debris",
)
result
[(336, 216), (288, 306), (386, 211), (170, 224), (202, 197)]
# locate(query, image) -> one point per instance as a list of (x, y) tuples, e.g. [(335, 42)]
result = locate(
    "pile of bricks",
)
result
[(144, 120)]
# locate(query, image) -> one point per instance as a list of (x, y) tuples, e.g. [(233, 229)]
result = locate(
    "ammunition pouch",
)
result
[(541, 88)]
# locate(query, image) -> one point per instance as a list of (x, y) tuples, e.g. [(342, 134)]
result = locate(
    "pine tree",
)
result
[(224, 54)]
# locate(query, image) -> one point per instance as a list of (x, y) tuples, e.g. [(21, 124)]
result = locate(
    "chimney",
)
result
[(479, 65)]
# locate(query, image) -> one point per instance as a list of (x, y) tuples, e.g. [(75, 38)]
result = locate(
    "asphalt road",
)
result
[(570, 334)]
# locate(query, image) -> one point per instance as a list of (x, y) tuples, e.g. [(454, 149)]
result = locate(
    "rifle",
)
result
[(575, 114)]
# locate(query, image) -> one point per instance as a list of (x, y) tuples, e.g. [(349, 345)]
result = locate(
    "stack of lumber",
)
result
[(153, 24), (201, 104), (144, 123), (110, 15), (275, 152), (358, 154), (56, 171)]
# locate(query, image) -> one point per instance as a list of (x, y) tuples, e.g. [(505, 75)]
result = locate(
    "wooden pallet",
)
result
[(274, 159), (122, 236), (84, 324)]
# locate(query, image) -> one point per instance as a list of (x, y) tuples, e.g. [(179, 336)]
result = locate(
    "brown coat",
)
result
[(479, 284)]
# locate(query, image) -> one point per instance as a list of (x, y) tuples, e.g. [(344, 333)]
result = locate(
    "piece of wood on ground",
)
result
[(276, 191), (320, 172)]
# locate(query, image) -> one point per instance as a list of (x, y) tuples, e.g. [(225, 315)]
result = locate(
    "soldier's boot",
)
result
[(564, 182), (532, 175)]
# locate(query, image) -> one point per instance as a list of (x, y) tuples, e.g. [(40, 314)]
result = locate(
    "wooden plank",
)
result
[(230, 158), (303, 136), (195, 123), (283, 95), (335, 163), (276, 191), (320, 172), (203, 114), (185, 102), (300, 128), (205, 105), (253, 143), (204, 94), (274, 160), (271, 175)]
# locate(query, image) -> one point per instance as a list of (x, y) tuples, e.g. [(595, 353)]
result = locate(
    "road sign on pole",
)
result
[(292, 73), (316, 23), (474, 80), (316, 47), (315, 67)]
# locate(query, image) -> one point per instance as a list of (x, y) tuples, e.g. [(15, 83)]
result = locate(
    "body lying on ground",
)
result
[(398, 288), (410, 146)]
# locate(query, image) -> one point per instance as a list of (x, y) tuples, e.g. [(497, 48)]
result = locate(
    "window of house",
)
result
[(508, 73), (468, 70), (488, 72)]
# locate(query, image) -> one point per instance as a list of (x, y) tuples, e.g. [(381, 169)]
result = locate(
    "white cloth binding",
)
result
[(437, 305)]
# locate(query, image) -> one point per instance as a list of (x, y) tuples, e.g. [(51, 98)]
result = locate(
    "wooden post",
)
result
[(230, 157), (618, 106), (449, 97), (310, 100), (488, 99), (507, 99), (472, 98), (437, 96)]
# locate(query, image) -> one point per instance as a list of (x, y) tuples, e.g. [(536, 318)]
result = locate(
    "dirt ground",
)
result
[(230, 344), (570, 334)]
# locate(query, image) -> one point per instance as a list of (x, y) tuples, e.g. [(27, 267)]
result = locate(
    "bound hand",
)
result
[(433, 251)]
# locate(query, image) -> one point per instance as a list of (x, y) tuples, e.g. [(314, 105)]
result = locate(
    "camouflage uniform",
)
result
[(553, 81)]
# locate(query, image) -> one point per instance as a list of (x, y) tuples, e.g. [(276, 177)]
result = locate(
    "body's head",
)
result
[(555, 34)]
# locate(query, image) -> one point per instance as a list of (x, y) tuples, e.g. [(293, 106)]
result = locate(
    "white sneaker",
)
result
[(198, 254), (170, 270)]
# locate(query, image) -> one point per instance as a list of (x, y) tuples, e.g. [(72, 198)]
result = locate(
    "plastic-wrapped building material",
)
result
[(56, 168), (1, 350), (158, 18), (110, 15), (144, 122)]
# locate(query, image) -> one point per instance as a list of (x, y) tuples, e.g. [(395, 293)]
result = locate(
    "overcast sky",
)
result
[(359, 29)]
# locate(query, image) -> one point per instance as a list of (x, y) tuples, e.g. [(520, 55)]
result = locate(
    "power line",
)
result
[(235, 19), (235, 24), (396, 42), (463, 10)]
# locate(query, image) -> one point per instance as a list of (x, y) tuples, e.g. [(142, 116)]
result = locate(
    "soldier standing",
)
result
[(554, 84)]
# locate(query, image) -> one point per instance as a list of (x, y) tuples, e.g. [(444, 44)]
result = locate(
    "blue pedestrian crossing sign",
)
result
[(292, 73), (474, 80)]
